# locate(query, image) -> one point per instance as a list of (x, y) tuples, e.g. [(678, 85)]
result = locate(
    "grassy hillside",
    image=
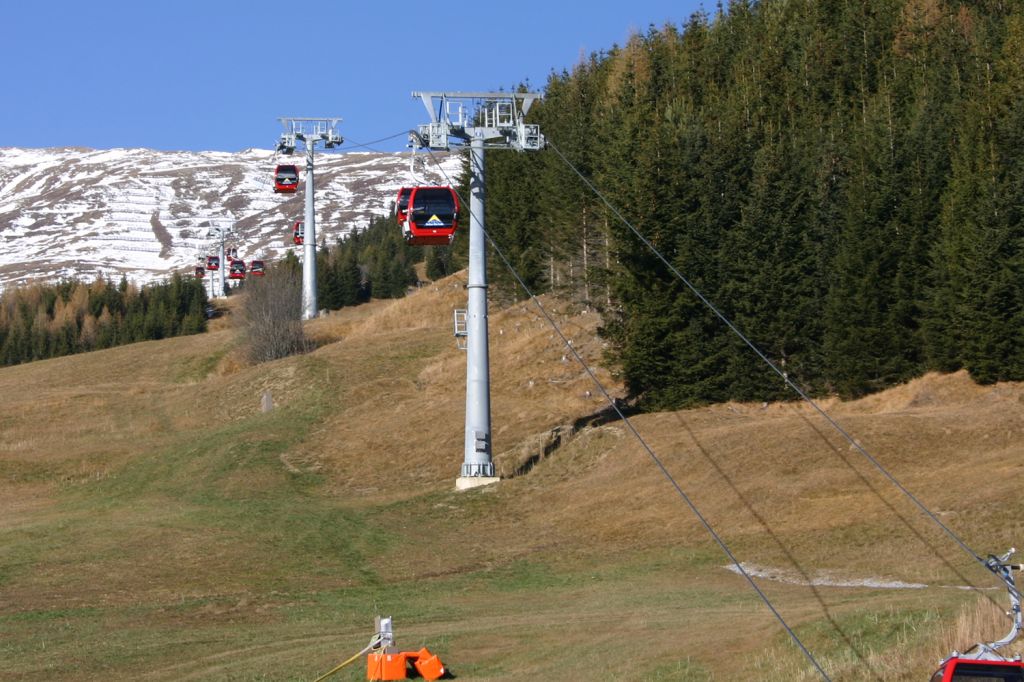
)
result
[(155, 525)]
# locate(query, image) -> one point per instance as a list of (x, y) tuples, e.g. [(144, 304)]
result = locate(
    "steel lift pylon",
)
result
[(496, 121), (310, 132)]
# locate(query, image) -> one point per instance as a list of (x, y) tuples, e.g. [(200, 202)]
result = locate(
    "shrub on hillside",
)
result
[(272, 316)]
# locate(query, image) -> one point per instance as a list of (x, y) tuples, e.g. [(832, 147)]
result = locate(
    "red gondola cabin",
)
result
[(402, 205), (213, 262), (256, 268), (200, 272), (433, 216), (286, 179), (972, 669), (298, 233), (237, 270)]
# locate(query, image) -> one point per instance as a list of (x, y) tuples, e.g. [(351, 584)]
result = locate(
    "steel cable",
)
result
[(367, 145), (789, 382), (650, 452)]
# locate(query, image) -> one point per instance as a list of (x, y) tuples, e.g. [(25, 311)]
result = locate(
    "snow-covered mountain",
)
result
[(73, 212)]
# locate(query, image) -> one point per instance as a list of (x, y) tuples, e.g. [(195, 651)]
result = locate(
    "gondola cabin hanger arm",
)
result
[(983, 662)]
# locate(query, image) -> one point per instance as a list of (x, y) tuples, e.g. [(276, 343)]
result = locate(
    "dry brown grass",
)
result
[(366, 437), (977, 621)]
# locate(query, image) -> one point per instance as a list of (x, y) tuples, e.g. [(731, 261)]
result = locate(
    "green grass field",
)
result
[(156, 525)]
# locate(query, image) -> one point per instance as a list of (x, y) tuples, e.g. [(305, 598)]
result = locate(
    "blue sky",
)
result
[(216, 75)]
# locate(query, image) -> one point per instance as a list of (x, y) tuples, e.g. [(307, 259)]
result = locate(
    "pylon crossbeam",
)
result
[(309, 130), (499, 120)]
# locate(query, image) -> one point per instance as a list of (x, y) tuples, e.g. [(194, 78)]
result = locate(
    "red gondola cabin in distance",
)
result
[(200, 272), (433, 216), (402, 205), (298, 233), (286, 179), (213, 262), (237, 270), (256, 268)]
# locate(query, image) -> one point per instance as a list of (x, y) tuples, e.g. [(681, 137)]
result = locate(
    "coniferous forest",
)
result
[(47, 321), (844, 179), (374, 262)]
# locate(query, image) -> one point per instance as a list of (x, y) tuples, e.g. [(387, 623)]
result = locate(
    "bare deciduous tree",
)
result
[(272, 315)]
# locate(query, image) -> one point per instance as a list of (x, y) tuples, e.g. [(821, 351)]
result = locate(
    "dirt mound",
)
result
[(932, 390)]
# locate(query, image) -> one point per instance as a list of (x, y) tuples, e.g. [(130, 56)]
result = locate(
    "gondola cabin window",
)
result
[(402, 205)]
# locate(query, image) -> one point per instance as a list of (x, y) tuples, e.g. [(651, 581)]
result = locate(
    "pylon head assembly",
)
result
[(498, 118)]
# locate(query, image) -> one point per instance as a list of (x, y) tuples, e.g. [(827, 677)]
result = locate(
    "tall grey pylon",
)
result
[(223, 289), (220, 234), (309, 131), (496, 121)]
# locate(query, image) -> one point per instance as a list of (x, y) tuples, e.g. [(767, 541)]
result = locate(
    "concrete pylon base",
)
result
[(469, 482)]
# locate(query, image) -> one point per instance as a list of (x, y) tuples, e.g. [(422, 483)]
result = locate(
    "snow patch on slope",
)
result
[(821, 578), (79, 212)]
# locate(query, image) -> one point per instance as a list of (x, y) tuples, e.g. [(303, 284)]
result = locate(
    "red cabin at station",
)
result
[(286, 179), (298, 232), (256, 268), (237, 270), (213, 262), (433, 216)]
